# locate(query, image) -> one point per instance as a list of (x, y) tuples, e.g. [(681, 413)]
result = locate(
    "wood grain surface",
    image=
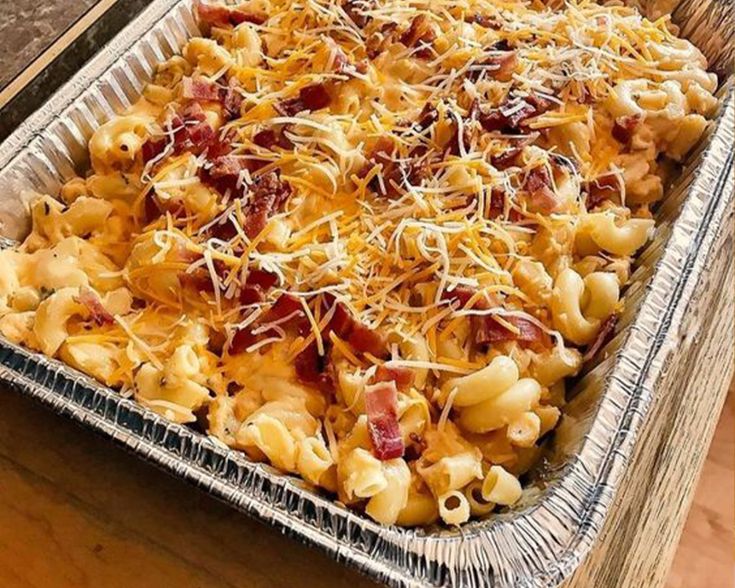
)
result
[(704, 557)]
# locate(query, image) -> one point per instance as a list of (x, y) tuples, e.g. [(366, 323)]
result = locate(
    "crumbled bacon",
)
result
[(241, 340), (229, 165), (154, 207), (607, 329), (240, 16), (378, 41), (427, 117), (231, 99), (487, 329), (152, 148), (270, 138), (625, 127), (224, 174), (221, 145), (261, 278), (483, 20), (402, 376), (313, 369), (420, 34), (198, 280), (255, 285), (392, 172), (538, 185), (497, 203), (312, 97), (93, 304), (190, 132), (285, 305), (251, 295), (355, 11), (269, 194), (513, 114), (366, 340), (204, 90), (199, 89), (342, 321), (499, 67), (381, 406), (509, 157), (220, 15), (601, 189)]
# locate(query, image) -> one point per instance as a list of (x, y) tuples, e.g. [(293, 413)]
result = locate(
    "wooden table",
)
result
[(75, 511)]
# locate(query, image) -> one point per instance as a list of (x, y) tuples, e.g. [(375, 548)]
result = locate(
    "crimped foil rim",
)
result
[(535, 546)]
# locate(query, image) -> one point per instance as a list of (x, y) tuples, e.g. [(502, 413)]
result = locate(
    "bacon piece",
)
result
[(421, 34), (392, 172), (219, 15), (508, 157), (497, 203), (497, 206), (313, 369), (221, 145), (224, 172), (427, 117), (513, 114), (538, 185), (251, 295), (270, 138), (200, 89), (201, 136), (261, 278), (378, 41), (154, 207), (199, 280), (256, 284), (483, 20), (190, 132), (192, 112), (354, 9), (342, 321), (229, 165), (607, 329), (239, 16), (381, 406), (285, 305), (152, 148), (93, 304), (402, 376), (224, 176), (601, 189), (488, 330), (499, 67), (241, 340), (213, 14), (367, 340), (625, 127), (231, 99), (269, 195), (315, 96), (312, 97)]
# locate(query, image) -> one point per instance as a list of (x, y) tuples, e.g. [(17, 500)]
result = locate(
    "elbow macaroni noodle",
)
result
[(319, 199)]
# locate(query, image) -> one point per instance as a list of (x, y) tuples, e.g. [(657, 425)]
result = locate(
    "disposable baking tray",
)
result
[(543, 538)]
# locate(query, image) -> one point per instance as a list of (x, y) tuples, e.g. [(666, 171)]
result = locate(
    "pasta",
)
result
[(368, 241)]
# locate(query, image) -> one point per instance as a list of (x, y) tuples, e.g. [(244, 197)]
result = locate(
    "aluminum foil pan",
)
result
[(540, 541)]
